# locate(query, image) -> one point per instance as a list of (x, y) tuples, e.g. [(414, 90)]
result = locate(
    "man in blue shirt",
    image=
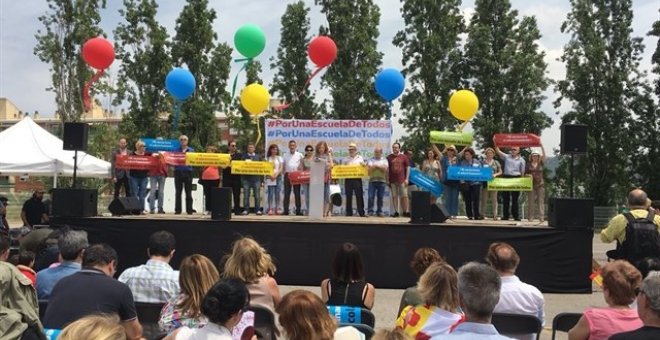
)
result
[(183, 180), (71, 245)]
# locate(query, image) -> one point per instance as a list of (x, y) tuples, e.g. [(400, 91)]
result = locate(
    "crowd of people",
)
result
[(391, 171)]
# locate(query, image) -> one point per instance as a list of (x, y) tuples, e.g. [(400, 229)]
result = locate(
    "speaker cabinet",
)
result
[(420, 209), (571, 213), (69, 202), (125, 206), (574, 139), (221, 204), (439, 213), (75, 136)]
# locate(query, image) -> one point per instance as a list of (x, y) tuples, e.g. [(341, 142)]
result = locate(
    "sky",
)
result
[(24, 78)]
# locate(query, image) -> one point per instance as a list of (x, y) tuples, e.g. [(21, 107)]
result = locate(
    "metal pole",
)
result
[(75, 167), (570, 184)]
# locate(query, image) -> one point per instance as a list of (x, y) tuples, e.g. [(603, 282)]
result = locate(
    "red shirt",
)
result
[(161, 169), (29, 273), (398, 167), (211, 173)]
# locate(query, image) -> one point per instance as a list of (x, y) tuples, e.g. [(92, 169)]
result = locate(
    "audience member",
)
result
[(421, 260), (348, 286), (648, 308), (620, 282), (155, 281), (97, 327), (71, 246), (250, 263), (655, 205), (24, 262), (251, 182), (93, 290), (18, 302), (34, 212), (647, 265), (197, 275), (4, 248), (394, 334), (48, 252), (292, 162), (478, 292), (438, 314), (378, 170), (398, 175), (223, 306), (516, 297), (354, 185), (4, 225)]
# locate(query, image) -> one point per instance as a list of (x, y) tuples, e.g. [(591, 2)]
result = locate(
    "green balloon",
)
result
[(250, 40)]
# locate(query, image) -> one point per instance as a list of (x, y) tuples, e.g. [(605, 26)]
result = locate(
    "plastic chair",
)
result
[(515, 324), (148, 315), (352, 315), (563, 322), (264, 322)]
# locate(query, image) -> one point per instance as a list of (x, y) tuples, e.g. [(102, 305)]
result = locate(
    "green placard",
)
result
[(510, 184), (451, 137)]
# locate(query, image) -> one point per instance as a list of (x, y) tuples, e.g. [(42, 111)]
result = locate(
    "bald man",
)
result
[(378, 169)]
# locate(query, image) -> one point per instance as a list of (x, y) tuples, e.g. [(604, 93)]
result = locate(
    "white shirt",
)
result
[(292, 161), (209, 332), (517, 297), (277, 162), (357, 160)]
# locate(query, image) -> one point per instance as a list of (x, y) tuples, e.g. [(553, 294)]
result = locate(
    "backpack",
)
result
[(642, 238)]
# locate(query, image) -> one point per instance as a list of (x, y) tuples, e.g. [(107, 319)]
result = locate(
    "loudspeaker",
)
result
[(69, 202), (125, 206), (571, 213), (574, 139), (75, 136), (420, 209), (221, 204), (439, 213)]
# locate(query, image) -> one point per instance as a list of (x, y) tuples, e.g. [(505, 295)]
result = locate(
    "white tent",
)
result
[(28, 149)]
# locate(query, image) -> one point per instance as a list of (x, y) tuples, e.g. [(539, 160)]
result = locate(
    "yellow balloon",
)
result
[(463, 104), (255, 99)]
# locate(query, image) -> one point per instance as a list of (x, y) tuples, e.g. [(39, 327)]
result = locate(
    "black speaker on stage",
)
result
[(69, 202), (439, 213), (75, 136), (574, 139), (221, 207), (420, 209), (125, 206), (571, 213)]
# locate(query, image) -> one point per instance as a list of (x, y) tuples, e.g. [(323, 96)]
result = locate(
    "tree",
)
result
[(431, 59), (195, 45), (601, 84), (241, 120), (353, 25), (645, 142), (655, 59), (291, 63), (142, 46), (68, 24), (506, 70)]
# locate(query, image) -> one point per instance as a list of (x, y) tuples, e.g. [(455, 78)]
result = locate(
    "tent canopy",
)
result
[(27, 148)]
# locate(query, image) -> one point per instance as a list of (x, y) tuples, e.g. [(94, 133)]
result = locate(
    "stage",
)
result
[(554, 260)]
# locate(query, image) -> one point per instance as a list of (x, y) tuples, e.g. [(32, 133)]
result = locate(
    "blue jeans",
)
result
[(450, 198), (254, 183), (274, 194), (139, 188), (157, 184), (376, 190)]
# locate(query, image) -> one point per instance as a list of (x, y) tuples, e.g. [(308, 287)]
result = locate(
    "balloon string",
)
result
[(462, 126), (177, 113), (246, 62), (88, 85), (256, 121), (302, 91)]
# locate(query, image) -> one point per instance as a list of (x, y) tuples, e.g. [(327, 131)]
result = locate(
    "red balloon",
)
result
[(322, 50), (98, 53)]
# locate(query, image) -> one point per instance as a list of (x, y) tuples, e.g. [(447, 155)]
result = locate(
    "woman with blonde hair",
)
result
[(97, 327), (197, 275), (250, 263), (394, 334), (323, 153), (421, 260), (438, 287)]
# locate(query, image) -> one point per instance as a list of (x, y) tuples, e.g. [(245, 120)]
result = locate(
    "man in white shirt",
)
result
[(291, 163), (378, 168), (516, 297), (354, 185)]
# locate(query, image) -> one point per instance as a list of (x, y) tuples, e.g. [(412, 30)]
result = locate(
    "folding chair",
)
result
[(563, 322), (264, 322), (515, 324), (148, 315), (352, 315)]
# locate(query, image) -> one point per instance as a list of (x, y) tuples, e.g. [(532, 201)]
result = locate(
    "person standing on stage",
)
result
[(323, 153), (157, 178), (431, 167), (274, 183), (398, 176), (232, 181), (471, 189), (120, 176), (485, 193), (514, 167), (292, 161), (210, 179), (354, 185), (183, 180), (139, 178), (378, 167), (536, 197), (251, 182), (306, 165)]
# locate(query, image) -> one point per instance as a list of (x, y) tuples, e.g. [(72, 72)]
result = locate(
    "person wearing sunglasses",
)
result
[(354, 185)]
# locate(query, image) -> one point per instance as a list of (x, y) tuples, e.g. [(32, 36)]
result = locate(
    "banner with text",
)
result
[(510, 184), (299, 177), (251, 168), (451, 137), (425, 182), (469, 173), (516, 139), (155, 145), (135, 162), (174, 158), (349, 171), (208, 159)]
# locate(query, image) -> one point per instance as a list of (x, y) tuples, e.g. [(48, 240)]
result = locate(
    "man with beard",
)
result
[(34, 211)]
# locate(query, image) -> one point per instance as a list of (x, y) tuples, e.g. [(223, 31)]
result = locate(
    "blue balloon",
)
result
[(180, 83), (390, 84)]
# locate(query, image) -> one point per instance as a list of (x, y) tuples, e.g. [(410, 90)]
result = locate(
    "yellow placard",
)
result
[(252, 168), (208, 159), (349, 171)]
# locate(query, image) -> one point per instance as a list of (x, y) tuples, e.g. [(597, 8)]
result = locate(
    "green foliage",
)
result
[(353, 25), (240, 120), (646, 143), (291, 64), (68, 24), (506, 70), (655, 59), (141, 44), (431, 59)]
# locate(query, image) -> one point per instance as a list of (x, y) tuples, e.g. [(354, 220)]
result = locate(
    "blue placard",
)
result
[(154, 145), (425, 182), (346, 314), (469, 173)]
